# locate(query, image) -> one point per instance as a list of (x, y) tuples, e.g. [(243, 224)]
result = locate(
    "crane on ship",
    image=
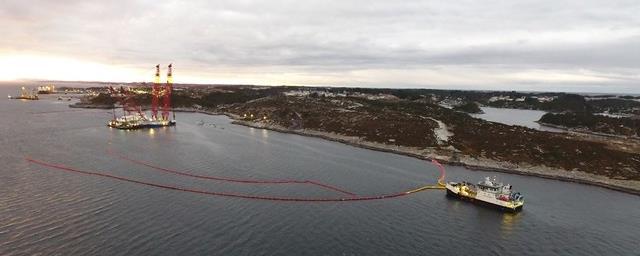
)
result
[(133, 116), (163, 92), (126, 98)]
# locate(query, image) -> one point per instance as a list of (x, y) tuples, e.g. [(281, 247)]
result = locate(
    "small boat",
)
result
[(487, 192)]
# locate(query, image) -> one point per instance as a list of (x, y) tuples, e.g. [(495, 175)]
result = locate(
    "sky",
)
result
[(542, 45)]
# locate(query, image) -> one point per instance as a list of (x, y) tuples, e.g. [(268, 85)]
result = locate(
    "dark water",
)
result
[(48, 212)]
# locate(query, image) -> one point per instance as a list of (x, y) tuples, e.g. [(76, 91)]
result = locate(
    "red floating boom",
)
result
[(226, 194), (443, 173), (226, 179)]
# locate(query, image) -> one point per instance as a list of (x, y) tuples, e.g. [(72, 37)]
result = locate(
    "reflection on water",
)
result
[(522, 117), (509, 220)]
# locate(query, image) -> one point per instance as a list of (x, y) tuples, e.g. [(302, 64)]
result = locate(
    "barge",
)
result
[(133, 116), (132, 122)]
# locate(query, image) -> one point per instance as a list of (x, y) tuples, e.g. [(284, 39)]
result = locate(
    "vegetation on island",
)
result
[(103, 99), (469, 107), (410, 118), (410, 123), (595, 123)]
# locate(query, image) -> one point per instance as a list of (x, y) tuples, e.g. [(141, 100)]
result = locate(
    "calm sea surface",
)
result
[(45, 211), (522, 117)]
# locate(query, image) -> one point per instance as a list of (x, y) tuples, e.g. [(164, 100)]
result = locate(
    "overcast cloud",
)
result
[(523, 45)]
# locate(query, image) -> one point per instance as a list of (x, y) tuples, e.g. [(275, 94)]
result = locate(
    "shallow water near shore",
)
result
[(46, 211)]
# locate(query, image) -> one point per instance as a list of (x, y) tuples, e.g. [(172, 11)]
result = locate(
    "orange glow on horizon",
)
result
[(28, 66), (42, 67)]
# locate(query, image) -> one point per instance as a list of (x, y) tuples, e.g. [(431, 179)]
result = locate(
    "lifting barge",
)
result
[(134, 118), (132, 122), (487, 192)]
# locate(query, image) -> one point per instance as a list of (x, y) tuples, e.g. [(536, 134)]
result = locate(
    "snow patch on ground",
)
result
[(442, 132)]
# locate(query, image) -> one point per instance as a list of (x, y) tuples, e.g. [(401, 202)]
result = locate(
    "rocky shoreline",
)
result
[(586, 131), (447, 156)]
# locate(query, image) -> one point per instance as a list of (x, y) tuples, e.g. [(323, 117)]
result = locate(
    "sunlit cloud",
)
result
[(540, 45)]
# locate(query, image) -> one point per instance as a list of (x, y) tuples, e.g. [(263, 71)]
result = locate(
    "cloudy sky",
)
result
[(515, 45)]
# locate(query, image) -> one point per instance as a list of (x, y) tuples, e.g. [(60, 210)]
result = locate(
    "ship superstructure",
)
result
[(488, 192), (135, 118)]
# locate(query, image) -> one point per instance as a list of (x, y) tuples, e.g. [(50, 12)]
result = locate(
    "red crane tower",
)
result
[(126, 98), (166, 106), (155, 94)]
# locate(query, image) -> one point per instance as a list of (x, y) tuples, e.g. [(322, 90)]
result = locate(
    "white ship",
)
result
[(488, 192)]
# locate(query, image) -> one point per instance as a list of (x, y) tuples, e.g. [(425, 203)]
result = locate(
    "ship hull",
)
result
[(142, 125), (452, 194), (23, 98)]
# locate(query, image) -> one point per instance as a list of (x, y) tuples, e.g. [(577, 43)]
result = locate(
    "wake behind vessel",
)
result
[(488, 192), (134, 118)]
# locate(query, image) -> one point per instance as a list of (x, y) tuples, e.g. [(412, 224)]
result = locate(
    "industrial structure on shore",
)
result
[(134, 118), (46, 89)]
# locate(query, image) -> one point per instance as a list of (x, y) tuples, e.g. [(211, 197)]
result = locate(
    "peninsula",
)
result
[(434, 124)]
